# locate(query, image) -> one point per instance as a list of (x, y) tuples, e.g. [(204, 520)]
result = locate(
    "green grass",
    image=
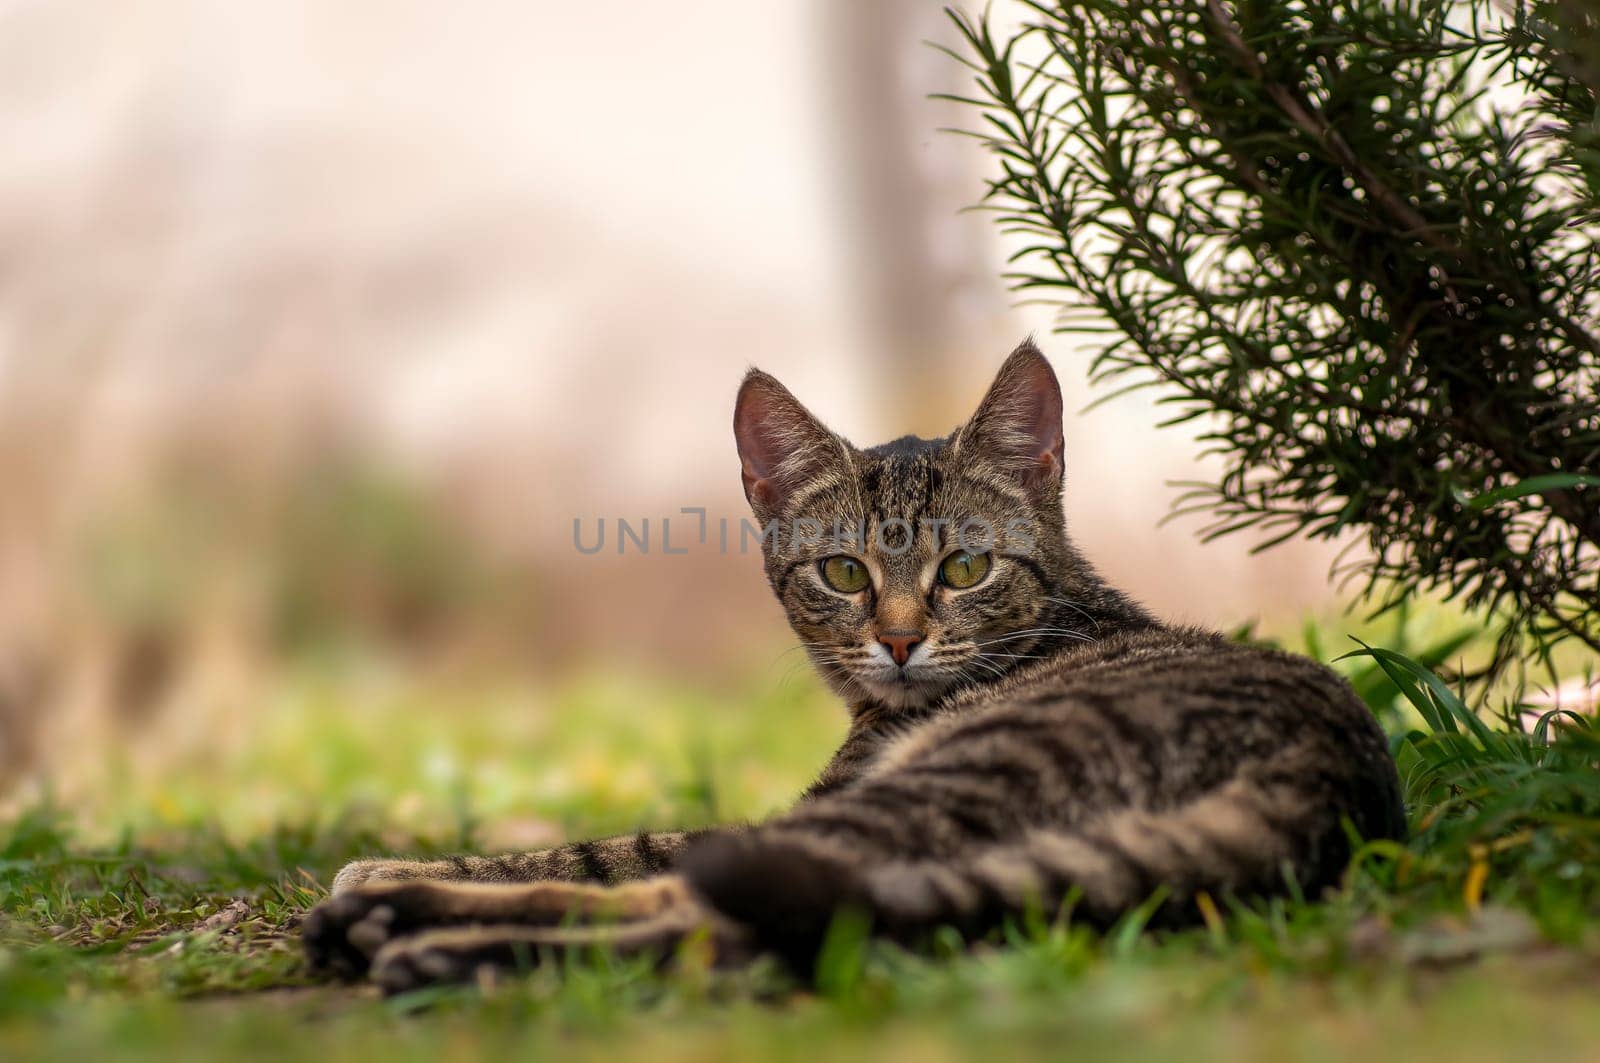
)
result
[(157, 917)]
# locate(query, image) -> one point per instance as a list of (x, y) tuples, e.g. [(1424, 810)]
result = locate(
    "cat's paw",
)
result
[(344, 932), (452, 957)]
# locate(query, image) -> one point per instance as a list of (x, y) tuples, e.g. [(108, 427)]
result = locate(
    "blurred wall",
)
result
[(282, 282)]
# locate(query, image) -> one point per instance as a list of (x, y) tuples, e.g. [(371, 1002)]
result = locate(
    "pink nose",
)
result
[(900, 643)]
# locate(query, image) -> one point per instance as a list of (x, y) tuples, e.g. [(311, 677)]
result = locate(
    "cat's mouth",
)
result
[(908, 685), (872, 671)]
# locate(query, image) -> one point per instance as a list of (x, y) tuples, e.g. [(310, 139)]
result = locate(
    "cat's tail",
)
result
[(787, 885)]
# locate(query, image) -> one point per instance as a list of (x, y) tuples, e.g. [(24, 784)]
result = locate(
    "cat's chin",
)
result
[(901, 693)]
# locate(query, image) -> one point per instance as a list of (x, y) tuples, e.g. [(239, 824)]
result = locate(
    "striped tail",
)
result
[(786, 884)]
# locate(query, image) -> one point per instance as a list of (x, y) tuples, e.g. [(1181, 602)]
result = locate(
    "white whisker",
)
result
[(1078, 608), (1042, 632)]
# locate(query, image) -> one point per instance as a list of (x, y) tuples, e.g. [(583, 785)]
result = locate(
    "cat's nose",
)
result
[(900, 643)]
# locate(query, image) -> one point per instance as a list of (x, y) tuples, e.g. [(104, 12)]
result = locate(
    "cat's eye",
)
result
[(962, 570), (845, 574)]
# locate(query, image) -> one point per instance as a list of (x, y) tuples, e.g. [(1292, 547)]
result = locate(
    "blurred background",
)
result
[(321, 324)]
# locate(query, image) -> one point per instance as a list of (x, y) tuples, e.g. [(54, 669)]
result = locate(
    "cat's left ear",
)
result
[(1017, 427)]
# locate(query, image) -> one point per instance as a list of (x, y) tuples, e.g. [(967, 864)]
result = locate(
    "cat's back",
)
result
[(1178, 676), (1177, 711)]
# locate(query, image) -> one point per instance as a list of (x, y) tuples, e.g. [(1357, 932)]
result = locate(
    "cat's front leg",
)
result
[(345, 932), (472, 953), (616, 859)]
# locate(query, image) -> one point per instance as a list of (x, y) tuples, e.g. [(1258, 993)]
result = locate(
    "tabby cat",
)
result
[(1021, 733)]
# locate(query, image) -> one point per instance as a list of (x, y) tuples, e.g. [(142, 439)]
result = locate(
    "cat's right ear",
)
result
[(781, 446)]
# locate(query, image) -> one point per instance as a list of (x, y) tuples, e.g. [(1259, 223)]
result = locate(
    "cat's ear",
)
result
[(1017, 427), (781, 445)]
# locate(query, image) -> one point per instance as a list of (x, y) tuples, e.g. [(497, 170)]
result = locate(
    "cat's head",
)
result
[(924, 565)]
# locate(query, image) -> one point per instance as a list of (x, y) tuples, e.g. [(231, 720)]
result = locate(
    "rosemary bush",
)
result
[(1357, 241)]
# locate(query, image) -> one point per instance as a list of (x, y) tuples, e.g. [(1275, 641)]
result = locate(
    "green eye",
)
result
[(845, 574), (962, 570)]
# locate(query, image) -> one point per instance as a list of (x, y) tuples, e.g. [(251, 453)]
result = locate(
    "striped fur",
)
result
[(1045, 739), (602, 860)]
